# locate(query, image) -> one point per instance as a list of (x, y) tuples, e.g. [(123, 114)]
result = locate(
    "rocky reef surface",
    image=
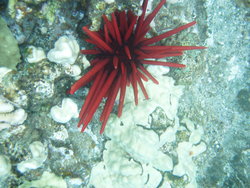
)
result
[(194, 131)]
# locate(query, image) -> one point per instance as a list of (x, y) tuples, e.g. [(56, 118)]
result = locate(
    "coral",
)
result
[(109, 1), (39, 155), (9, 115), (73, 70), (3, 72), (65, 52), (66, 112), (61, 134), (48, 179), (133, 157), (122, 51), (186, 151), (36, 54), (118, 171), (5, 166)]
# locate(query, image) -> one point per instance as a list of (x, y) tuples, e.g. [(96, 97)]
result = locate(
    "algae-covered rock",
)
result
[(9, 51)]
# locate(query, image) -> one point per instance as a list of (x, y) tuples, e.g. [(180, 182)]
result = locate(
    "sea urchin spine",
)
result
[(121, 51)]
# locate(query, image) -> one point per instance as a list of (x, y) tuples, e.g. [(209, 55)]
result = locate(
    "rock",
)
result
[(9, 51)]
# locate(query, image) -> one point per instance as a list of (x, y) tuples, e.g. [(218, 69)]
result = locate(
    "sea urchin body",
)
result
[(121, 51)]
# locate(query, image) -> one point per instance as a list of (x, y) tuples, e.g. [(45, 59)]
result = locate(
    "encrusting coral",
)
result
[(9, 115), (121, 51)]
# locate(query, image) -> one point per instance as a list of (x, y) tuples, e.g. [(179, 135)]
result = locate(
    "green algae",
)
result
[(9, 51)]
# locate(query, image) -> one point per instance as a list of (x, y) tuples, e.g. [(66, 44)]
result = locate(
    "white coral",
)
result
[(5, 107), (14, 118), (3, 72), (39, 155), (36, 54), (140, 143), (5, 166), (117, 170), (64, 113), (48, 179), (10, 116), (186, 151), (73, 70), (133, 154), (65, 52), (165, 95)]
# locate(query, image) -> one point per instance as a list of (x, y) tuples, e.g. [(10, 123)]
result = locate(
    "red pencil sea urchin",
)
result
[(121, 51)]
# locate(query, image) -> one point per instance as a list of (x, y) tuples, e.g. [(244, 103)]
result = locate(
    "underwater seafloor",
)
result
[(194, 131)]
